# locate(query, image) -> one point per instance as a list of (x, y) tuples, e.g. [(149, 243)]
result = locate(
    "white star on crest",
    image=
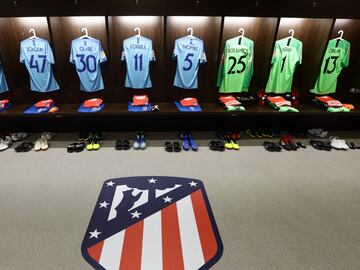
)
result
[(95, 234), (193, 184), (167, 199), (136, 214), (104, 204), (152, 181), (110, 184)]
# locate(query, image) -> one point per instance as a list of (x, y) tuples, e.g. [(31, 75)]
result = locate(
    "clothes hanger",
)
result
[(341, 33), (86, 33), (291, 32), (242, 33), (138, 30), (191, 32), (33, 32)]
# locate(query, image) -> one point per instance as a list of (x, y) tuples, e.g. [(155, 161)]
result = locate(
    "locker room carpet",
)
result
[(289, 210)]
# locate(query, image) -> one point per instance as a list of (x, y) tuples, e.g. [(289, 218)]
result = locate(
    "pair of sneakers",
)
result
[(42, 144), (338, 143), (231, 144), (5, 142), (318, 132), (139, 142), (189, 142)]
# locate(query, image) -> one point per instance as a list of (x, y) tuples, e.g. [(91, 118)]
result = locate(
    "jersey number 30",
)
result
[(85, 62)]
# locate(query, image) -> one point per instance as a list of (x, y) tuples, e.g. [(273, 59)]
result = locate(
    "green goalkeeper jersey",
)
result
[(286, 56), (237, 65), (336, 58)]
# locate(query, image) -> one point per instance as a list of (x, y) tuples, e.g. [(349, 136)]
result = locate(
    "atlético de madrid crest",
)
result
[(152, 223)]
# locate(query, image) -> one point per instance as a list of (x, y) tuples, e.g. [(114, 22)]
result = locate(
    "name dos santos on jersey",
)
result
[(238, 50)]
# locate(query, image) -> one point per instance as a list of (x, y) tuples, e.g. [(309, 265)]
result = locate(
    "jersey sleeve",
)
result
[(152, 53), (176, 51), (72, 53), (252, 59), (123, 55), (49, 54), (220, 75), (276, 53), (22, 53), (203, 59), (102, 55), (346, 58), (299, 51)]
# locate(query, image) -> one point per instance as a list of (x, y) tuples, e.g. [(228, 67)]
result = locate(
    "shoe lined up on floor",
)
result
[(172, 147), (76, 147), (338, 143), (5, 143), (24, 147), (318, 132), (259, 133), (217, 146), (19, 136), (122, 145), (188, 141), (140, 142), (41, 144)]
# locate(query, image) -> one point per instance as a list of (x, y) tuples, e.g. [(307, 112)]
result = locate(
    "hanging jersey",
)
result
[(38, 57), (286, 56), (87, 54), (237, 65), (3, 83), (189, 53), (336, 58), (138, 53)]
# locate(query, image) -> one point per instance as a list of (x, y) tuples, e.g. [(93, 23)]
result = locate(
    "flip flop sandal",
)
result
[(79, 147), (320, 145), (27, 146), (177, 147), (214, 146), (119, 145), (272, 147), (19, 148), (169, 147), (126, 144), (71, 148), (301, 144), (284, 144), (221, 146)]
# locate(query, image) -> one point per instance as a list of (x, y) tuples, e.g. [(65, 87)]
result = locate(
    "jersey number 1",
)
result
[(138, 62)]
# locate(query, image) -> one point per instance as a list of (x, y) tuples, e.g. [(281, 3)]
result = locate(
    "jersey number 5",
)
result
[(239, 62), (187, 59), (35, 64)]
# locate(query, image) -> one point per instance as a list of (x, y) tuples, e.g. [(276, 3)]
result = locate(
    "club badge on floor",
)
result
[(154, 223)]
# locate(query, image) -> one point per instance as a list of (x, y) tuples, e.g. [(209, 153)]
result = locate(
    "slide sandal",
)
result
[(71, 148), (177, 147), (169, 147), (301, 144), (320, 145), (272, 147), (119, 145), (79, 147), (221, 146), (214, 146), (126, 144)]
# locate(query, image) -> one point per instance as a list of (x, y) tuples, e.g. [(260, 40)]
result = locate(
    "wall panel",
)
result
[(12, 32), (121, 28), (207, 29), (64, 30)]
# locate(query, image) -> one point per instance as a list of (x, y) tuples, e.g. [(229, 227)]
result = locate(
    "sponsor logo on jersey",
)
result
[(138, 46), (152, 223), (34, 49)]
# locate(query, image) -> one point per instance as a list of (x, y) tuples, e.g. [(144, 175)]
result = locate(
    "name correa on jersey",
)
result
[(138, 53), (189, 53), (87, 54), (152, 223), (38, 57)]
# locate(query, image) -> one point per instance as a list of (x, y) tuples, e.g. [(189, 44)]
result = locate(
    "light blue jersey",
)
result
[(3, 84), (38, 57), (189, 52), (87, 54), (138, 53)]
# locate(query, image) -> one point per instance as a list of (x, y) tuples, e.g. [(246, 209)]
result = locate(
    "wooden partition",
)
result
[(64, 30), (314, 33), (12, 32), (207, 29), (350, 76), (262, 31), (121, 28)]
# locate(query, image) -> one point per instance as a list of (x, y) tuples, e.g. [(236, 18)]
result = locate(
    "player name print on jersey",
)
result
[(87, 55), (152, 223), (38, 57), (286, 56), (237, 65), (189, 53), (336, 57), (138, 53), (3, 84)]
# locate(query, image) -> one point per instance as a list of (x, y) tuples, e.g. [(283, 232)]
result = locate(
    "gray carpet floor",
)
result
[(289, 210)]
